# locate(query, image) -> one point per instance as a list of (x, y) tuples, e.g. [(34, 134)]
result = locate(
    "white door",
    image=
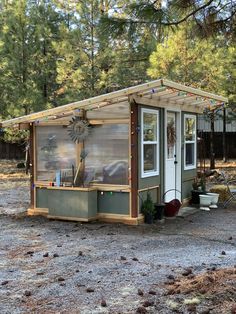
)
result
[(172, 156)]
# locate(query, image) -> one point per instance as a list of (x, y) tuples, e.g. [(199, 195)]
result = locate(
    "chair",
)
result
[(231, 189)]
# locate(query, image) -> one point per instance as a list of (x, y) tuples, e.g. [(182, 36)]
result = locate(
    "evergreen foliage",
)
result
[(53, 52)]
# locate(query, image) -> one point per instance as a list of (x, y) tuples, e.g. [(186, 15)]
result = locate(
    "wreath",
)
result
[(78, 129), (171, 134)]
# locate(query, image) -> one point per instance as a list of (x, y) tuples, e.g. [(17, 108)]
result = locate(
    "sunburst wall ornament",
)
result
[(78, 129)]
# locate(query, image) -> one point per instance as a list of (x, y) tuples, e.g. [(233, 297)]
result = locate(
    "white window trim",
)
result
[(189, 167), (156, 172)]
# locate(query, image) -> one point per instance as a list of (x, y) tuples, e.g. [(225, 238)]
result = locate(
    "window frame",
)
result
[(194, 165), (151, 173)]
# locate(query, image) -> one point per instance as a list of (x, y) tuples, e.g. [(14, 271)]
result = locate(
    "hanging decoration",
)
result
[(171, 134), (78, 129)]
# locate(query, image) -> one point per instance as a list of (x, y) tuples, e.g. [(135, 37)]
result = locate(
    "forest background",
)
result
[(56, 52)]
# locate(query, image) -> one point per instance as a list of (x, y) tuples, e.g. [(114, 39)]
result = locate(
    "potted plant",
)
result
[(199, 187), (148, 209)]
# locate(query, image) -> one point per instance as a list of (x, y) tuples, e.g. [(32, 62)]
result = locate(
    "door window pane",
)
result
[(171, 135)]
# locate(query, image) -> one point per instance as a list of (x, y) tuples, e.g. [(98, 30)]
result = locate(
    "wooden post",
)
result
[(224, 136), (212, 153), (134, 158), (31, 154), (79, 147)]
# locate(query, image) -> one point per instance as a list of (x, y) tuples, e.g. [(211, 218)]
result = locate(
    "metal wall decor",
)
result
[(78, 129)]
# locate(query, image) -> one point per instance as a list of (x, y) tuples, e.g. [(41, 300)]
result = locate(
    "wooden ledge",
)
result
[(38, 212), (114, 218), (71, 218), (70, 188)]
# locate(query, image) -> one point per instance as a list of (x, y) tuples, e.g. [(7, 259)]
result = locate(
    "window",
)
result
[(108, 154), (190, 141), (149, 143)]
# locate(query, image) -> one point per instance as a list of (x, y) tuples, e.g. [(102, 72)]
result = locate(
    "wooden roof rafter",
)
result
[(194, 91), (171, 95), (158, 90)]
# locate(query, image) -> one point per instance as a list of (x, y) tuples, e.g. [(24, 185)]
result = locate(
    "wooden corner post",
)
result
[(134, 158), (32, 164)]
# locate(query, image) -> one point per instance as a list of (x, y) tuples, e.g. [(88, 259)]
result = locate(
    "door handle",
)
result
[(175, 162)]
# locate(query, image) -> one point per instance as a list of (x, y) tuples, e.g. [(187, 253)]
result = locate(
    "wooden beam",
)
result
[(113, 96), (108, 121), (165, 104), (150, 92), (24, 126), (82, 104), (182, 98), (170, 95), (194, 91), (54, 122), (32, 166), (134, 158)]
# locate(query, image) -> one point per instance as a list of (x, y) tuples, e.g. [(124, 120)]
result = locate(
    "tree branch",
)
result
[(189, 15)]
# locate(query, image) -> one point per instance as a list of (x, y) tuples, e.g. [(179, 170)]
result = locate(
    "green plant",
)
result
[(195, 184), (200, 183), (147, 207), (203, 183)]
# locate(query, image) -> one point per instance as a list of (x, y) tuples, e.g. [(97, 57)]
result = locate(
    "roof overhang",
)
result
[(159, 93)]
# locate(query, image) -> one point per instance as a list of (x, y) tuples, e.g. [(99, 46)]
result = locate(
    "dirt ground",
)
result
[(186, 265)]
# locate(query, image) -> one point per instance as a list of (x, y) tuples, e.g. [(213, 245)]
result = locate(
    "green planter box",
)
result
[(80, 204)]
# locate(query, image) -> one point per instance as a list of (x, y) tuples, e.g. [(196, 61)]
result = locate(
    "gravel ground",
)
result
[(49, 266)]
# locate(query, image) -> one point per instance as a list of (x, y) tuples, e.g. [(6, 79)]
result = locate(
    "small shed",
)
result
[(95, 159)]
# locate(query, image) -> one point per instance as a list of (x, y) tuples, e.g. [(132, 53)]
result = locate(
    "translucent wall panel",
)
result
[(115, 111), (54, 151), (107, 159)]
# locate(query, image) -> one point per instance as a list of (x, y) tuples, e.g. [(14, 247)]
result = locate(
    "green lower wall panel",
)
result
[(154, 195), (41, 198), (148, 182), (113, 203), (80, 204), (187, 188)]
